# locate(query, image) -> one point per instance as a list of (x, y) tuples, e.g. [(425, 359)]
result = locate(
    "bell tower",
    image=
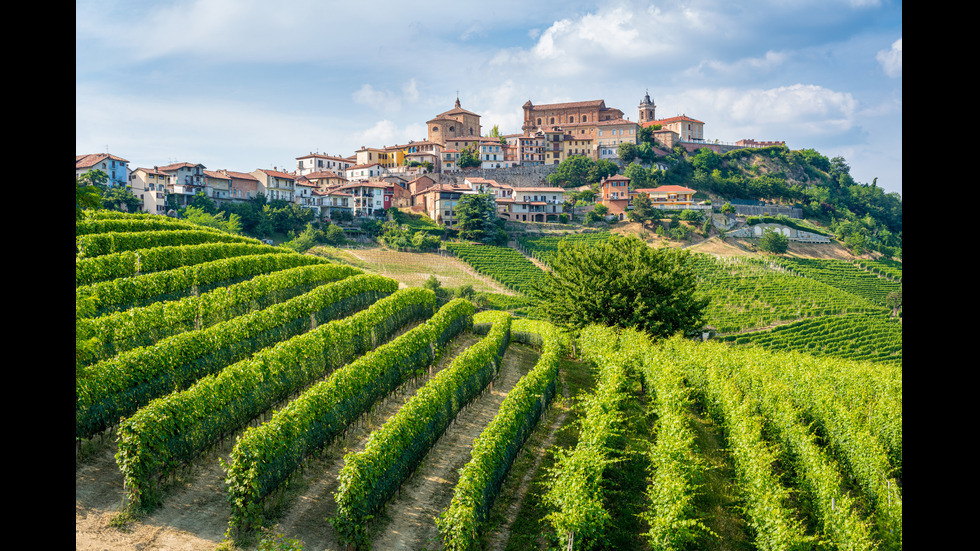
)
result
[(648, 111)]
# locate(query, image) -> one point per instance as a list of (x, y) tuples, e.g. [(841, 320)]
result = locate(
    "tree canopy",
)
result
[(476, 216), (622, 282)]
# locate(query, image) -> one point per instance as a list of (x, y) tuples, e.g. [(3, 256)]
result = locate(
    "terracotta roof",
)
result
[(85, 161), (177, 166), (150, 171), (591, 103), (216, 174), (666, 189), (239, 175), (672, 119), (324, 174), (278, 174), (547, 189), (321, 156), (616, 177)]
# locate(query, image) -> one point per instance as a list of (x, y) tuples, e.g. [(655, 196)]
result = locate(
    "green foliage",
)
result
[(369, 478), (122, 384), (476, 216), (621, 282), (266, 456), (627, 152), (87, 192), (497, 446), (503, 264), (175, 429), (773, 241), (231, 224), (469, 158), (143, 261), (127, 292), (579, 170), (120, 199), (642, 208)]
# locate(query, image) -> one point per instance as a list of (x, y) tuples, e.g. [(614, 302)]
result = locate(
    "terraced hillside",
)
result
[(230, 393)]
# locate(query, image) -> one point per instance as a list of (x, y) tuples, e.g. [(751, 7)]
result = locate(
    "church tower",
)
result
[(648, 111)]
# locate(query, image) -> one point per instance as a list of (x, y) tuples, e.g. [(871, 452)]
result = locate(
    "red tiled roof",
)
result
[(85, 161), (216, 174), (591, 103), (278, 174), (666, 189), (239, 175)]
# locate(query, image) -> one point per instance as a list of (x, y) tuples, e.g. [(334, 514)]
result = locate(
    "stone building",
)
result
[(455, 123), (537, 117)]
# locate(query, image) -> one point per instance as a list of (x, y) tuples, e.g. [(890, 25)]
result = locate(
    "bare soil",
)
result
[(194, 515)]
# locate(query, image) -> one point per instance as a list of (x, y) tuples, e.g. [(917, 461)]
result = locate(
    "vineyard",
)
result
[(231, 395)]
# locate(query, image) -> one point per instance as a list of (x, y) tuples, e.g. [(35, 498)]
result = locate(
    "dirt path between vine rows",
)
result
[(306, 517), (409, 520)]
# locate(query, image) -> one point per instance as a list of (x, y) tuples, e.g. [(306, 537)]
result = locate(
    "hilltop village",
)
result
[(429, 176)]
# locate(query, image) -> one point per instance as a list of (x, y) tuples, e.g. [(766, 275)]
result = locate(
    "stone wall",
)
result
[(518, 176)]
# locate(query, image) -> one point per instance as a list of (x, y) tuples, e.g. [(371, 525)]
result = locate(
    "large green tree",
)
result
[(87, 192), (476, 216), (622, 282), (572, 172)]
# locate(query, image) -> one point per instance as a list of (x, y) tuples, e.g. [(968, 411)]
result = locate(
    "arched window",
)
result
[(552, 120), (539, 121), (571, 119), (435, 128), (452, 129), (585, 118)]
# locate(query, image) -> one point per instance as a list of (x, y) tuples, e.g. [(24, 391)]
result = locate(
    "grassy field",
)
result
[(413, 269)]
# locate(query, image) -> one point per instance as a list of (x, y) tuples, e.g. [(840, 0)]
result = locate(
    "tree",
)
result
[(624, 283), (476, 215), (202, 217), (773, 241), (642, 208), (87, 194), (601, 169), (627, 152), (468, 158), (572, 172), (121, 199)]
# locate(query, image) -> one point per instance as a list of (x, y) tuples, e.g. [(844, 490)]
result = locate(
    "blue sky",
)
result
[(247, 84)]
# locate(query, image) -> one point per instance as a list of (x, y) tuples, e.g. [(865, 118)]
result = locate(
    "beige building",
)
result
[(455, 123), (217, 185), (150, 185), (275, 184), (532, 204)]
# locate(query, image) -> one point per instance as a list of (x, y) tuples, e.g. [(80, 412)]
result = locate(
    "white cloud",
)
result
[(386, 100), (891, 59), (801, 109), (747, 67), (386, 132)]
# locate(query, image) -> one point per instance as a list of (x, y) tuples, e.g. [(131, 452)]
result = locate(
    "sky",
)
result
[(249, 84)]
